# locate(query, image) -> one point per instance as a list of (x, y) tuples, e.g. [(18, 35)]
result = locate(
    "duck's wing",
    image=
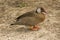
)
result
[(28, 14), (27, 21)]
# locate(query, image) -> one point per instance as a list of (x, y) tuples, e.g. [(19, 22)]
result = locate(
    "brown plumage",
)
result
[(31, 18)]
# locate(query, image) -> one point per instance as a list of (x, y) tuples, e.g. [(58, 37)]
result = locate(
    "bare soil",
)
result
[(11, 9)]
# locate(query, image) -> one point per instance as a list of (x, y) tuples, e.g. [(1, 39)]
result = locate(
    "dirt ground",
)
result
[(11, 9)]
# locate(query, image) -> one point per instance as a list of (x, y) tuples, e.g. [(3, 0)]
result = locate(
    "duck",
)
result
[(32, 18)]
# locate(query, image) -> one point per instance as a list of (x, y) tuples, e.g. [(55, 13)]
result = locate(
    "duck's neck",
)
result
[(42, 16)]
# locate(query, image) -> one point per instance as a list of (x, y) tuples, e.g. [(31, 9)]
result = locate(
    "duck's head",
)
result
[(40, 10)]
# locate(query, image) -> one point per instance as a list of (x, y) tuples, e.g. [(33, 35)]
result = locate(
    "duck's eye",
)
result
[(38, 10)]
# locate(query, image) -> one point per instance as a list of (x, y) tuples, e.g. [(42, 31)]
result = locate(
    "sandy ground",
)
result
[(49, 29)]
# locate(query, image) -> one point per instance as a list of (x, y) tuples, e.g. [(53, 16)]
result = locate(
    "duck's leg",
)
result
[(34, 28)]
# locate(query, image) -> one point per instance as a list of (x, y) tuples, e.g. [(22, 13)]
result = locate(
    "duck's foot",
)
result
[(34, 28)]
